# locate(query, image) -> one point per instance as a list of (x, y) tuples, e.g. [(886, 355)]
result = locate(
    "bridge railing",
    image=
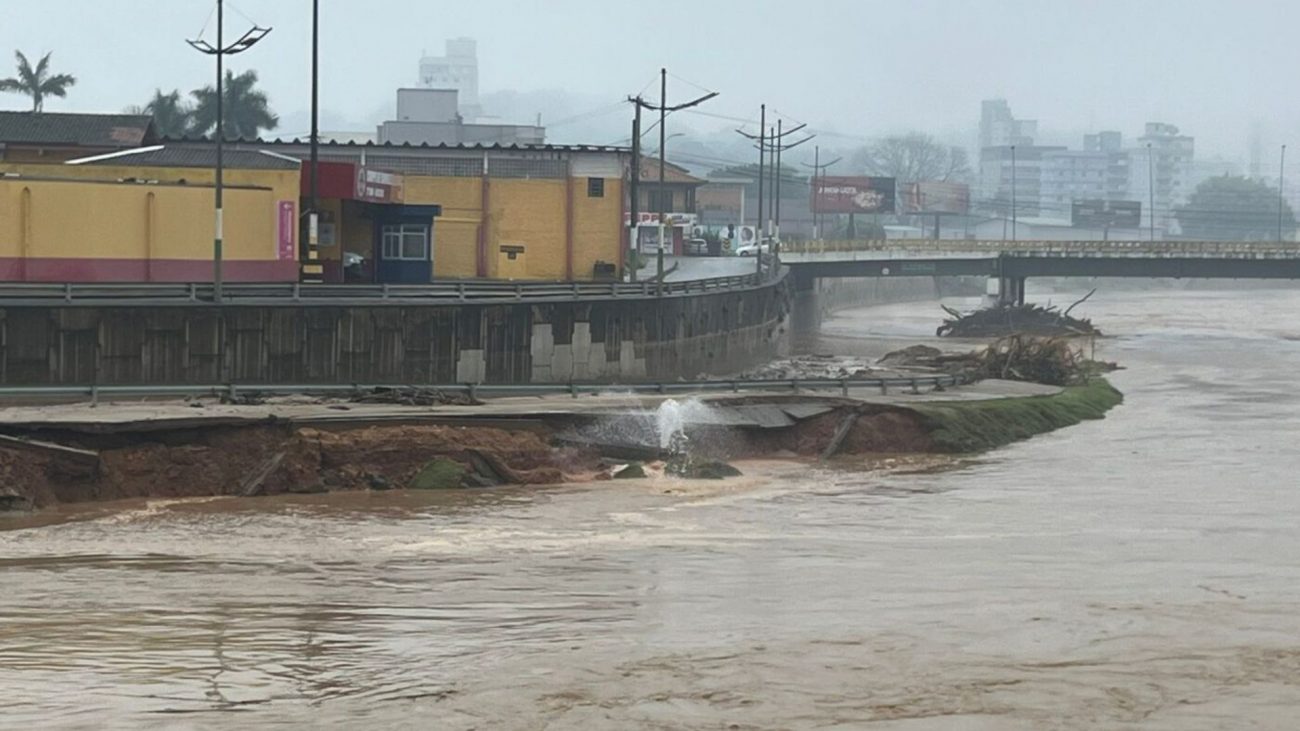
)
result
[(1039, 247), (447, 292)]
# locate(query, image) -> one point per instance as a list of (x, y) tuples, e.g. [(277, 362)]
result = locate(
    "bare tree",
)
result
[(912, 158)]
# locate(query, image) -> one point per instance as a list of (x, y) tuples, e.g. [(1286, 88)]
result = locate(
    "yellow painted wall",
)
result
[(86, 219), (597, 227), (530, 213), (455, 234)]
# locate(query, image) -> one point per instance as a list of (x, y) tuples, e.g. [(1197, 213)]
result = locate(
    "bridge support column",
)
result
[(1011, 291)]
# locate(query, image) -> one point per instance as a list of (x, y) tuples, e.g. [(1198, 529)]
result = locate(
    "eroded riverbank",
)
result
[(1133, 573), (57, 458)]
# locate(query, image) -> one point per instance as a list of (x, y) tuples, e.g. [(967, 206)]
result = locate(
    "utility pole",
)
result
[(313, 216), (1151, 191), (776, 144), (663, 158), (765, 145), (818, 169), (634, 207), (221, 50), (1013, 193), (1281, 184), (663, 110)]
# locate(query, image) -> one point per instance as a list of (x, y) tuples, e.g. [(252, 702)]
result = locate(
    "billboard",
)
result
[(936, 197), (1106, 214), (852, 195)]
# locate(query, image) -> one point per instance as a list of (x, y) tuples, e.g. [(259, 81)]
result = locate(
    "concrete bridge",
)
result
[(1012, 262)]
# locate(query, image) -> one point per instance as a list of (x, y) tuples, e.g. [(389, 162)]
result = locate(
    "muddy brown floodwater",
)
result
[(1141, 572)]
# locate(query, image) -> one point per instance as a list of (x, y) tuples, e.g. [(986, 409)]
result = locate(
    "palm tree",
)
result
[(37, 83), (171, 116), (246, 111)]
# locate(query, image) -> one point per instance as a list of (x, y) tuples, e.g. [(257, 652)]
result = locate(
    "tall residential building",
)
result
[(1161, 171), (998, 128), (1097, 172), (1004, 169), (458, 70)]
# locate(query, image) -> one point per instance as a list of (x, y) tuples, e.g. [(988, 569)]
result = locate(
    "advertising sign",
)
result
[(852, 195), (1106, 214), (936, 197), (287, 223), (377, 187)]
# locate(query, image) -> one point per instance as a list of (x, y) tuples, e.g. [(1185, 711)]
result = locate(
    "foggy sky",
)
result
[(860, 67)]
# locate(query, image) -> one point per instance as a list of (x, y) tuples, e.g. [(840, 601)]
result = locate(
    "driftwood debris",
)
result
[(1026, 319)]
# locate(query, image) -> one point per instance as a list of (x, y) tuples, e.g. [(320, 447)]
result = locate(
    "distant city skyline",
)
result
[(1079, 66)]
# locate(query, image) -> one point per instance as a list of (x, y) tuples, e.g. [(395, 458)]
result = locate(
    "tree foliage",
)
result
[(1235, 208), (172, 117), (246, 111), (913, 158), (37, 83)]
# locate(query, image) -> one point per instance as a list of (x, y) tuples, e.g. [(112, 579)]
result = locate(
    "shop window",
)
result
[(595, 187), (406, 242)]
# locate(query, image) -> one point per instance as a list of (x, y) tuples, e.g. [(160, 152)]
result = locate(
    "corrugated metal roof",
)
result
[(329, 145), (76, 130), (197, 157)]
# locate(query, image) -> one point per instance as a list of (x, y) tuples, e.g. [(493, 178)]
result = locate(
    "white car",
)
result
[(752, 248)]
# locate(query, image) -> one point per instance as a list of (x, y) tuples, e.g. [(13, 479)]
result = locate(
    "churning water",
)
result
[(1134, 573)]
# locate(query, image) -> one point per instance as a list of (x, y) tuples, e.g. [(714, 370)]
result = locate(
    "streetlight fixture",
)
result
[(245, 42)]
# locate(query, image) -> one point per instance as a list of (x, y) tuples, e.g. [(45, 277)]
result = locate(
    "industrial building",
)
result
[(389, 213)]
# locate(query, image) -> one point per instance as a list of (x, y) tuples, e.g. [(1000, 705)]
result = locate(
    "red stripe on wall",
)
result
[(143, 270)]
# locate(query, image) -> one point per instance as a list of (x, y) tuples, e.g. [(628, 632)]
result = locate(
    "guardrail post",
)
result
[(473, 391), (232, 392), (575, 290), (915, 388), (844, 388), (460, 291), (519, 291), (383, 291), (67, 292), (794, 384), (194, 292), (573, 389), (735, 387), (297, 291), (884, 388), (94, 396)]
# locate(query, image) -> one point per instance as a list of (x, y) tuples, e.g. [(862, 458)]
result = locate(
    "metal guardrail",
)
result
[(1226, 249), (474, 390), (457, 292)]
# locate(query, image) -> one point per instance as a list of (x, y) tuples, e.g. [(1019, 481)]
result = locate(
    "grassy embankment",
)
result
[(975, 426)]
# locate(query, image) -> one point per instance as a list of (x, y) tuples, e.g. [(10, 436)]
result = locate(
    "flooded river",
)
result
[(1142, 572)]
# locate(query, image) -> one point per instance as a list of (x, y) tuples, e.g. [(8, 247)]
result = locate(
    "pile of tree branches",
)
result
[(1016, 319), (1052, 361)]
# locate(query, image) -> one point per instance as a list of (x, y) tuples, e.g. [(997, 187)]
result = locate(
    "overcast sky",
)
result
[(861, 67)]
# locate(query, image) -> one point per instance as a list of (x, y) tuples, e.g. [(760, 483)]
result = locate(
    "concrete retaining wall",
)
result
[(614, 340)]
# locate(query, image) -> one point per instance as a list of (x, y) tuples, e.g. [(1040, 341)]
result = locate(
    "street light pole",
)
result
[(1013, 193), (663, 157), (221, 50), (663, 110), (1281, 183), (313, 216)]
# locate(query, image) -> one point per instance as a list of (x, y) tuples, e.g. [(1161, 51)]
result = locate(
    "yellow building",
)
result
[(147, 215), (539, 212), (388, 213)]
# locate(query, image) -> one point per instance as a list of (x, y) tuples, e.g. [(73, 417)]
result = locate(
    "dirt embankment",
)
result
[(268, 460)]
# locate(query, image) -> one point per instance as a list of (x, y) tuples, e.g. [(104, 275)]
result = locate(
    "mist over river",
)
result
[(1140, 572)]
